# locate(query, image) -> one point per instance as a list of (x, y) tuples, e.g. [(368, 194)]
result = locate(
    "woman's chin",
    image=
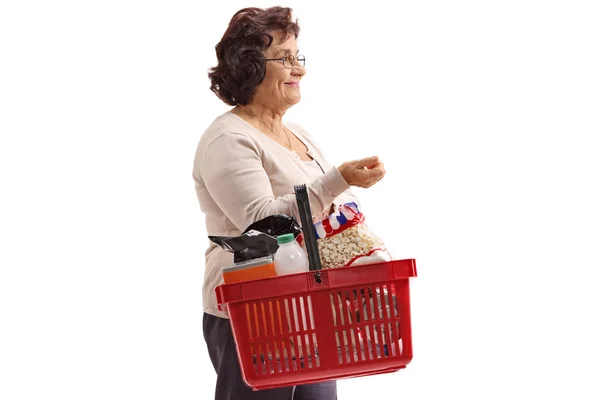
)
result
[(293, 100)]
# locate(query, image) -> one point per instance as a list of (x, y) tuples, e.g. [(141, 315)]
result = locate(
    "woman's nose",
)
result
[(298, 69)]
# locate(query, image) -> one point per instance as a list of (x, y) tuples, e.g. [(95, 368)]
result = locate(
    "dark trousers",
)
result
[(230, 385)]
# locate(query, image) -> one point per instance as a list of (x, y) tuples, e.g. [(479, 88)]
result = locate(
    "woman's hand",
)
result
[(362, 173)]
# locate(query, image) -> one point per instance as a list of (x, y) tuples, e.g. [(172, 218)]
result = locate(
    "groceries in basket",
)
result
[(259, 239), (344, 239), (259, 268), (277, 225), (252, 256), (266, 246), (290, 257), (248, 246)]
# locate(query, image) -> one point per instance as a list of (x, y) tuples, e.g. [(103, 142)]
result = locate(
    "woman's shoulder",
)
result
[(226, 126), (227, 138)]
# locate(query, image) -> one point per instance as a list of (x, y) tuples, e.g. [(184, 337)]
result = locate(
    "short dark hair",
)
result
[(241, 64)]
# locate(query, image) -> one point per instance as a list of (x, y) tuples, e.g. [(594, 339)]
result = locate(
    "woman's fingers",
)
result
[(374, 175), (369, 162)]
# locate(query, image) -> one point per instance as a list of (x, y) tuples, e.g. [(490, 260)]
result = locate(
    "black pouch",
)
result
[(275, 225), (248, 246)]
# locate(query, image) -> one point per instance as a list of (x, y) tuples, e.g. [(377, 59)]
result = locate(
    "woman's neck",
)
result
[(262, 114)]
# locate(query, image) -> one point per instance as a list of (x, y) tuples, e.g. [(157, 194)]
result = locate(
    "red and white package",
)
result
[(344, 239)]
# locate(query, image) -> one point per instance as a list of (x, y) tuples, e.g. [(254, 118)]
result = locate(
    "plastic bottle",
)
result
[(290, 257)]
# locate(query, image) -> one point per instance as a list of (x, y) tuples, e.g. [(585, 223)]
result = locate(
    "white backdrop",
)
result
[(484, 113)]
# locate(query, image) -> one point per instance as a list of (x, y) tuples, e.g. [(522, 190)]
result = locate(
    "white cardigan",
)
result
[(242, 176)]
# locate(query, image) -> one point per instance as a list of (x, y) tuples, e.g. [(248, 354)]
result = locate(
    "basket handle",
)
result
[(310, 239)]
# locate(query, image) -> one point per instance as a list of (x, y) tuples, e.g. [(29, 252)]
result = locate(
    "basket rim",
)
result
[(305, 282)]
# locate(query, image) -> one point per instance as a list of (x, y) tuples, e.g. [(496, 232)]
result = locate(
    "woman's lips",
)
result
[(293, 84)]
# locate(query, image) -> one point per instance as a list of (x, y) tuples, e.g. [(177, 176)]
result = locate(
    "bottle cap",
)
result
[(287, 238)]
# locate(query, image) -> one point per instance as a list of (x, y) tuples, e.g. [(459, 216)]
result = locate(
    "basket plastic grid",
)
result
[(322, 325)]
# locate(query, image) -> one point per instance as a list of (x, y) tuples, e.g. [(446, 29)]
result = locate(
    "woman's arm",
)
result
[(232, 171)]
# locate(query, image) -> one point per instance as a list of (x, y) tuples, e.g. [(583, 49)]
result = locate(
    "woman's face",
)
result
[(281, 87)]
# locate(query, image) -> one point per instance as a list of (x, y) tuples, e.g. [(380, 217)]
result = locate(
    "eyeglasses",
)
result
[(289, 60)]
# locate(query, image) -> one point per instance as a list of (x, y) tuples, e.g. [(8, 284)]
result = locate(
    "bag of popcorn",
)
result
[(343, 239)]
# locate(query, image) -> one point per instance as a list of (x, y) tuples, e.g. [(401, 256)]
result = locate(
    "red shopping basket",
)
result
[(322, 325)]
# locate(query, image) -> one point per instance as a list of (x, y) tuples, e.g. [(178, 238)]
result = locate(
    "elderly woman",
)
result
[(248, 161)]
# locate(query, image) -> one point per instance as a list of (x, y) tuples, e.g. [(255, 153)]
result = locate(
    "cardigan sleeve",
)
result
[(232, 171)]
